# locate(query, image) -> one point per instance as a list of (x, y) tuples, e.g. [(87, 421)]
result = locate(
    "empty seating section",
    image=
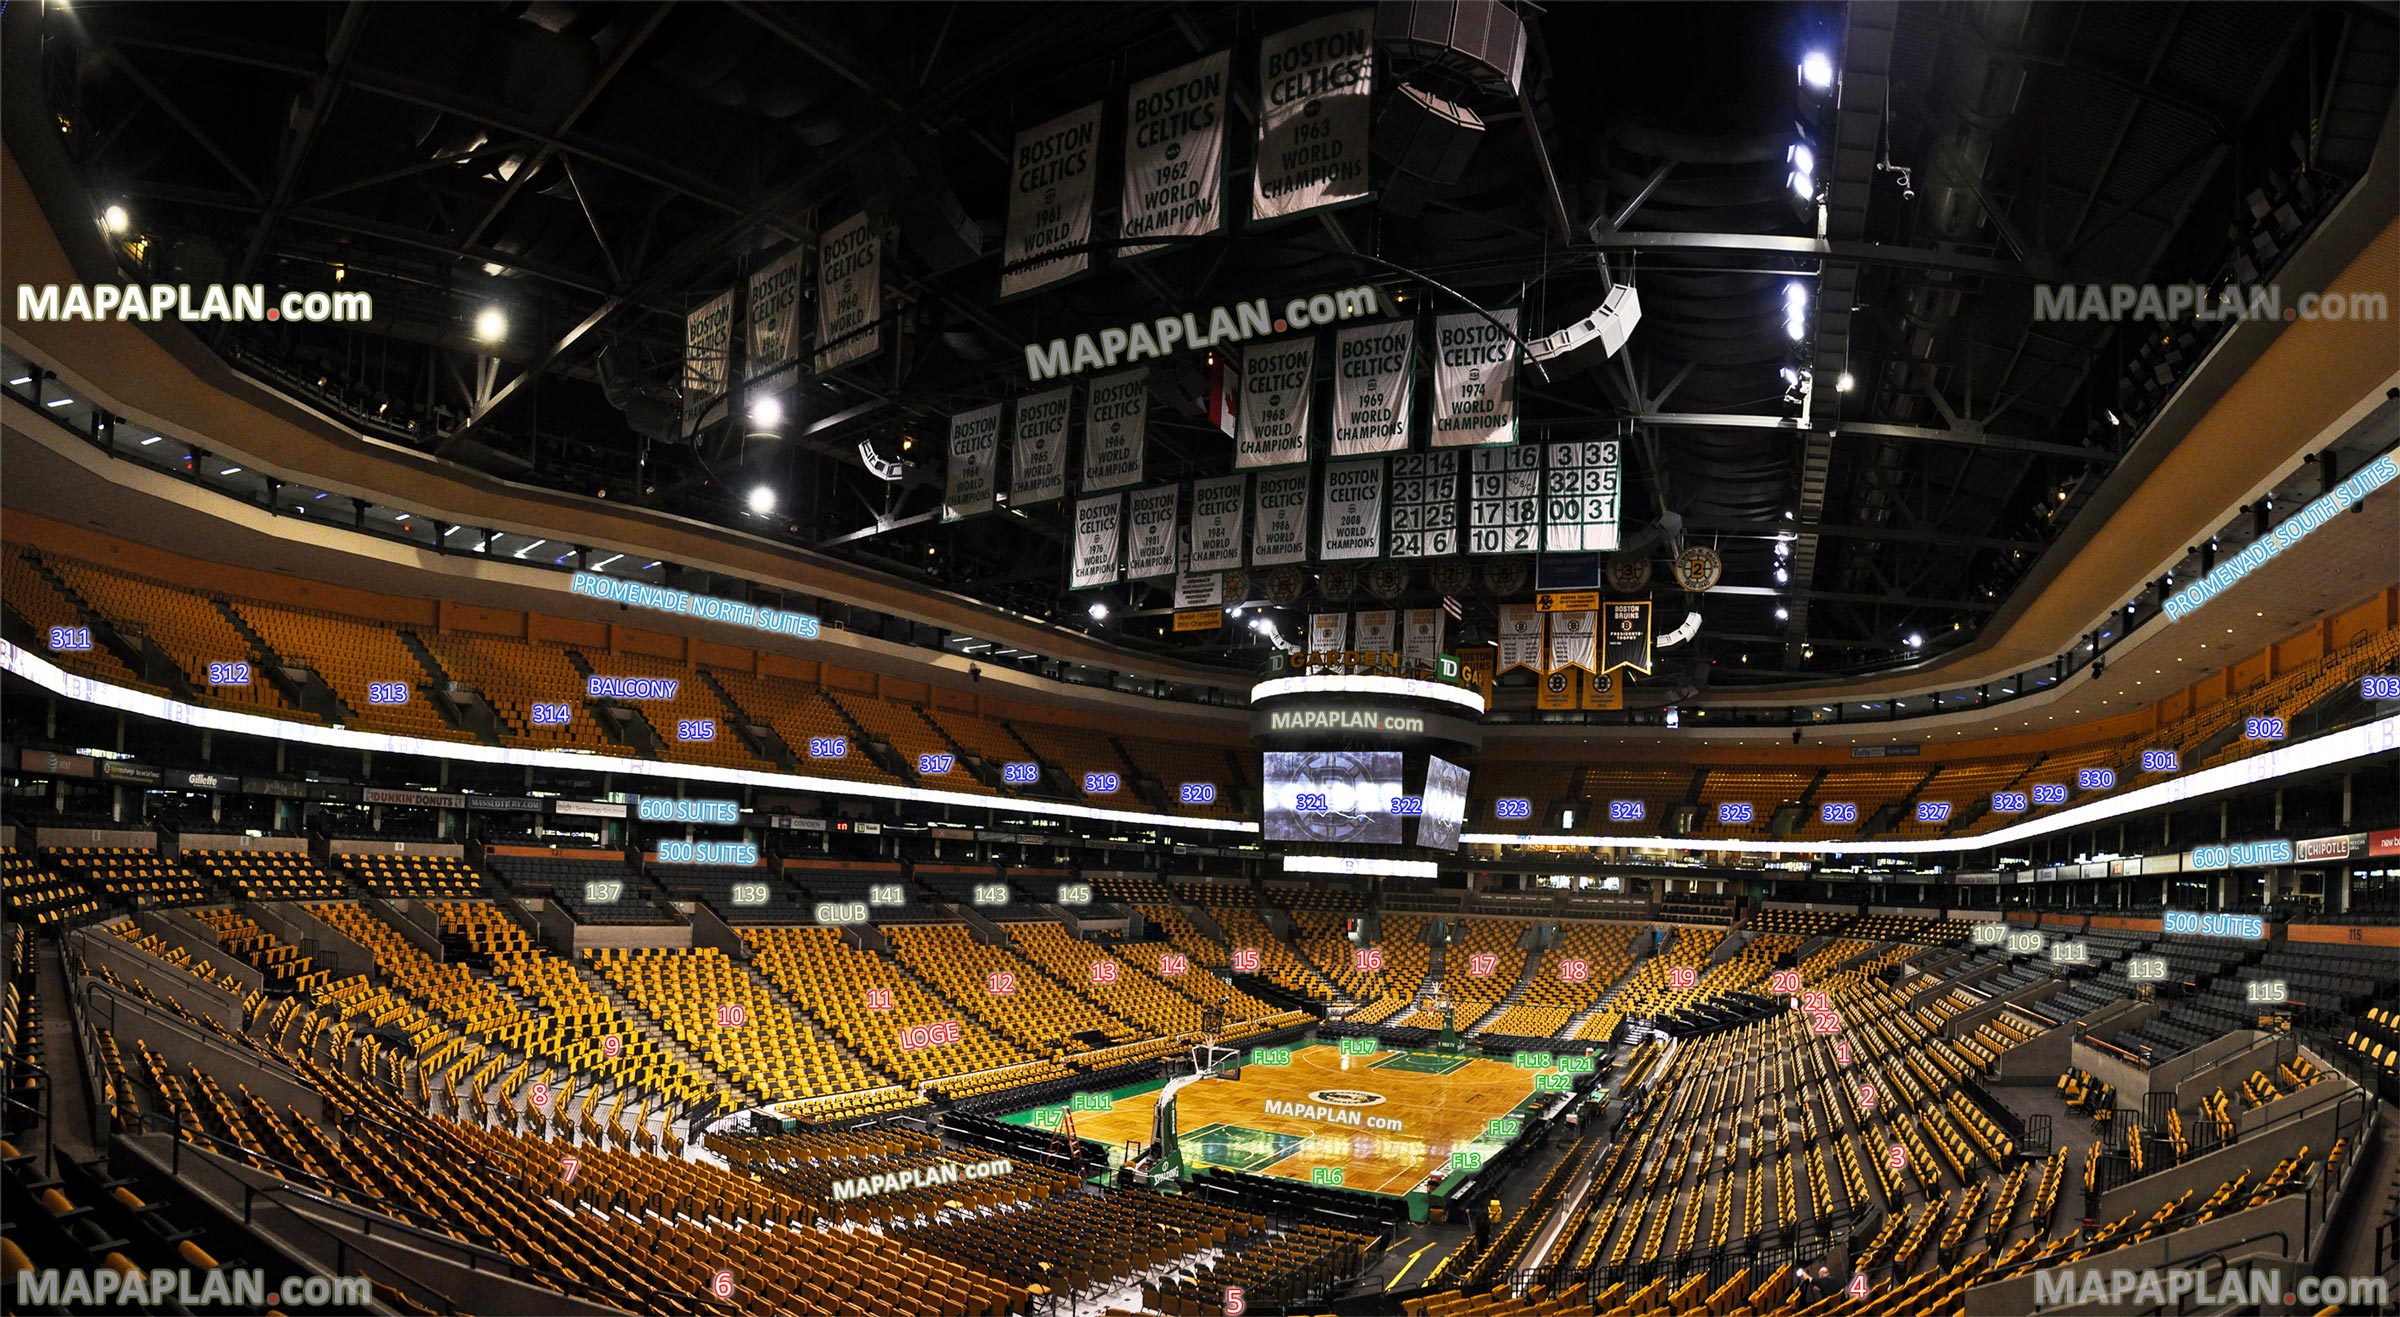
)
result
[(898, 725), (351, 656), (515, 675), (726, 1017), (1325, 940), (1246, 931), (1869, 789), (1764, 790), (1486, 944), (591, 888), (1076, 751), (1552, 1000), (1174, 763), (982, 736), (284, 967), (737, 895), (1800, 923), (841, 985), (798, 712), (693, 702), (1658, 789), (122, 874), (1962, 786), (36, 894), (186, 625), (411, 875), (1647, 993), (267, 875), (43, 607), (1135, 993), (1004, 990)]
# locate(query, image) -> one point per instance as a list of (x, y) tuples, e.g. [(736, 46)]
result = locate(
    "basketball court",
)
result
[(1386, 1120)]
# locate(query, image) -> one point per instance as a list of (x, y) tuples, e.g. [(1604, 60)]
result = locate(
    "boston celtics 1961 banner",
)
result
[(1175, 153), (774, 340), (1313, 86), (1051, 183), (1038, 453), (974, 463), (1116, 415), (849, 293), (1099, 536), (1277, 379), (1217, 507), (1475, 379)]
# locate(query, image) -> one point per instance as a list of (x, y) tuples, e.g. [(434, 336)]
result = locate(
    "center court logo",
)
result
[(1345, 1097)]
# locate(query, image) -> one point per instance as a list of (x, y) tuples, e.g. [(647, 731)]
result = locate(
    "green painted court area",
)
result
[(1236, 1147), (1423, 1063)]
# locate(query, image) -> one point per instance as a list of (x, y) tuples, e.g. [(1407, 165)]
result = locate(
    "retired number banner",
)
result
[(1150, 533), (1579, 497), (1272, 426), (1116, 417), (1371, 388), (1313, 86), (1217, 507), (1504, 500), (1050, 201), (1475, 379), (1424, 505), (1353, 517), (1099, 535), (1038, 455), (1279, 519), (974, 463), (1175, 153)]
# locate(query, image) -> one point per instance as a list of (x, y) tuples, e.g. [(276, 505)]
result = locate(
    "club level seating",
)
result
[(37, 895), (591, 891), (125, 875), (411, 875), (740, 896), (267, 875)]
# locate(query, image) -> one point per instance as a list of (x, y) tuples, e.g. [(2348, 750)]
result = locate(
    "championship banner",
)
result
[(974, 463), (1504, 500), (707, 347), (1353, 519), (1579, 497), (1603, 690), (1424, 505), (1217, 523), (1200, 590), (1475, 379), (849, 293), (1314, 81), (1378, 631), (1150, 532), (774, 341), (1175, 153), (1421, 637), (1572, 637), (1279, 519), (1556, 690), (1372, 388), (1050, 206), (1099, 526), (1520, 638), (1038, 455), (1625, 641), (1116, 417), (1272, 426), (1328, 632)]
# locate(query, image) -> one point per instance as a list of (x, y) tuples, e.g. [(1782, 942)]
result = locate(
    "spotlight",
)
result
[(1782, 577), (491, 325), (1783, 548), (1803, 175), (1783, 615), (1843, 383), (762, 500), (1915, 641), (1098, 610), (767, 413), (116, 219), (1673, 719), (1816, 71)]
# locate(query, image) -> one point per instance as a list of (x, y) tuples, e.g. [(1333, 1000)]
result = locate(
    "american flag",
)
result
[(1456, 610)]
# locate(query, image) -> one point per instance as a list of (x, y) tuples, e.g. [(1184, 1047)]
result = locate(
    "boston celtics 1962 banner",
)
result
[(1277, 379), (1353, 517), (1051, 184), (1099, 535), (1313, 86), (1175, 153), (707, 344), (974, 463), (1475, 379), (1371, 388), (1038, 453), (1217, 507), (775, 315), (1279, 524), (1116, 416), (1150, 532), (849, 293)]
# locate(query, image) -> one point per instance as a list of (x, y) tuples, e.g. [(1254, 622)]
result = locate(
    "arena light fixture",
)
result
[(762, 501), (1843, 383), (116, 219), (1098, 610), (491, 325), (1816, 71), (766, 413), (1915, 641)]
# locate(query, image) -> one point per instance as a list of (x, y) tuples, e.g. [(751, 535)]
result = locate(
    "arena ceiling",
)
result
[(599, 170)]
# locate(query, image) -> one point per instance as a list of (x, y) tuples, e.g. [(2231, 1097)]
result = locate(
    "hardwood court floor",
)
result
[(1441, 1103)]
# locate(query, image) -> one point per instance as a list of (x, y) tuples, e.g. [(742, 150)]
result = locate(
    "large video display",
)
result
[(1333, 796), (1445, 804)]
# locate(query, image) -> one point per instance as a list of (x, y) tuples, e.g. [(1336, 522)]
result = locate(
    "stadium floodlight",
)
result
[(1673, 719), (1098, 610), (1783, 615), (116, 219), (766, 413), (1816, 71), (491, 325), (1915, 641), (762, 501), (1782, 576), (1843, 383)]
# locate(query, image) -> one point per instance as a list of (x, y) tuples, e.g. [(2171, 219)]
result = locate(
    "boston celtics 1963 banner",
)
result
[(1050, 200), (849, 293), (1277, 379), (775, 315), (1116, 416), (1371, 388), (1217, 507), (1279, 524), (1175, 153), (707, 345), (1353, 517), (1475, 379), (1313, 86), (1150, 532), (1099, 535), (1038, 453), (974, 463)]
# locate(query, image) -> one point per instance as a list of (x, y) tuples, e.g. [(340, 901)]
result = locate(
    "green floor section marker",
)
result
[(1423, 1063)]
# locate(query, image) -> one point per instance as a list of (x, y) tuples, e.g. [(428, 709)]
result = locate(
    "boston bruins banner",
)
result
[(1377, 631), (1116, 416), (1272, 426), (1175, 153), (707, 346), (1217, 507), (849, 293), (1520, 637), (1099, 535), (1627, 639), (1353, 517), (1372, 390), (1279, 519), (1050, 201), (1475, 379), (1603, 690), (1150, 533), (1421, 636), (1571, 642), (1313, 86), (1038, 455), (774, 340), (1328, 633), (1556, 690), (974, 463)]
